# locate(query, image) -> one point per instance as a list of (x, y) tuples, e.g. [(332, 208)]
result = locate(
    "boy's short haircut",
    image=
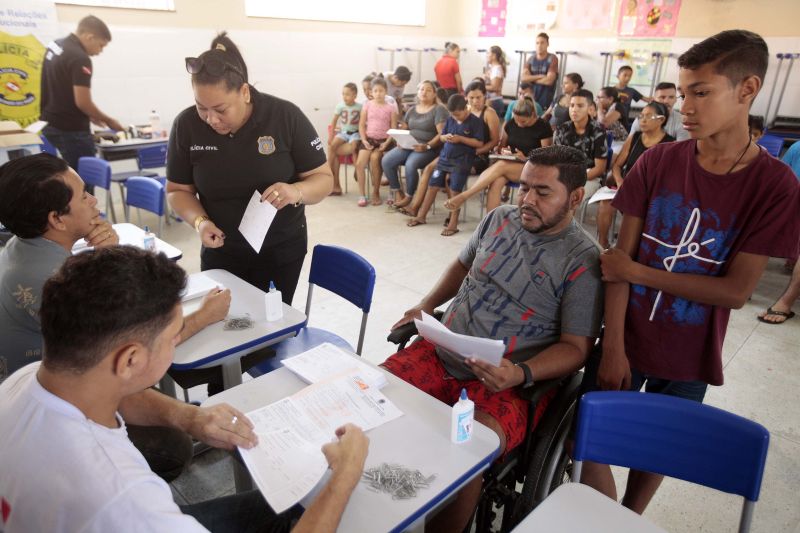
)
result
[(583, 93), (735, 54), (544, 36), (402, 73), (95, 26), (378, 80), (352, 86), (665, 86), (755, 122), (31, 188), (526, 86), (456, 102), (624, 67), (133, 296)]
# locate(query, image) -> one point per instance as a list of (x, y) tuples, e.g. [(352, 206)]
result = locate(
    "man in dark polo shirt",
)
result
[(67, 104)]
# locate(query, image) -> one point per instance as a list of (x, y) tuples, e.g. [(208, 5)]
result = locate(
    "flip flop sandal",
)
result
[(449, 232), (770, 311), (414, 222)]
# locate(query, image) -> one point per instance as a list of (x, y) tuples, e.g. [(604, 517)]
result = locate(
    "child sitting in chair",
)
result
[(462, 134), (345, 142)]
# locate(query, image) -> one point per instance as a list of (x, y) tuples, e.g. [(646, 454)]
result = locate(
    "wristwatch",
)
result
[(528, 375), (199, 219)]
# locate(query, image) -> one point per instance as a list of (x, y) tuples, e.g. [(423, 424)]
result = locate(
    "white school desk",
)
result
[(214, 346), (127, 148), (420, 439), (133, 235), (578, 508)]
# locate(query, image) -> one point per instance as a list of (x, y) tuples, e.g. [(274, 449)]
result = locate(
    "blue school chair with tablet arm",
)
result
[(346, 274), (675, 437), (97, 172), (148, 194)]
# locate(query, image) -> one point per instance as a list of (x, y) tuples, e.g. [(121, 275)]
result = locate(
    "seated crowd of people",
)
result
[(93, 333), (495, 146)]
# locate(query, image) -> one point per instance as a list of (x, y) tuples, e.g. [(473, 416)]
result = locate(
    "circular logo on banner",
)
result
[(20, 78)]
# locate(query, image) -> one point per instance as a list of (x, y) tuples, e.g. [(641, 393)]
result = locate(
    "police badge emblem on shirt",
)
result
[(266, 145)]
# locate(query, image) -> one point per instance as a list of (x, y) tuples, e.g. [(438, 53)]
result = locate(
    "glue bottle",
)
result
[(461, 419), (274, 303), (149, 240), (155, 124)]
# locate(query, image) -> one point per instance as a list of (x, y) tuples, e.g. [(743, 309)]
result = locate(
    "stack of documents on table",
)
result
[(198, 285), (603, 193), (326, 360), (435, 332), (288, 461)]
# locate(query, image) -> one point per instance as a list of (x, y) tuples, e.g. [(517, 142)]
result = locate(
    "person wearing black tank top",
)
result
[(526, 132), (651, 121)]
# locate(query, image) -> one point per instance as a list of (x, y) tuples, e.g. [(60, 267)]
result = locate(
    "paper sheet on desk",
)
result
[(256, 221), (288, 461), (435, 332), (326, 360), (198, 285)]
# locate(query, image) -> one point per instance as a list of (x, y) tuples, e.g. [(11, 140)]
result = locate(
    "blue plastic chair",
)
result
[(48, 147), (344, 273), (146, 193), (674, 437), (147, 160), (772, 144), (97, 172)]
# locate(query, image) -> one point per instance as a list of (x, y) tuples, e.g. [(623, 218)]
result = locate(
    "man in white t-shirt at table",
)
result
[(110, 321)]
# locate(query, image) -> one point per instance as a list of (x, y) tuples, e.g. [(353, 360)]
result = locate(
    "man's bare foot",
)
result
[(448, 232), (415, 222), (402, 202), (336, 192), (376, 200)]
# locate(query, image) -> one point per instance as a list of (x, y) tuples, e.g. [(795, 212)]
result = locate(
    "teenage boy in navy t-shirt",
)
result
[(700, 220), (462, 134)]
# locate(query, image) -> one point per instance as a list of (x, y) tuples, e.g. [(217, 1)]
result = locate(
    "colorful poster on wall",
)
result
[(648, 18), (639, 56), (587, 15), (27, 25), (493, 19)]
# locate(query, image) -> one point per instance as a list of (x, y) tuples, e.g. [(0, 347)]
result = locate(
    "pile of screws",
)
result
[(238, 322), (401, 482)]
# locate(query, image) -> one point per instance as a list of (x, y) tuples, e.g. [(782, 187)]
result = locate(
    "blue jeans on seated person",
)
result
[(414, 162)]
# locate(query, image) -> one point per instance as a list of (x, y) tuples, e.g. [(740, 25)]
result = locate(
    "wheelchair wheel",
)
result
[(550, 465)]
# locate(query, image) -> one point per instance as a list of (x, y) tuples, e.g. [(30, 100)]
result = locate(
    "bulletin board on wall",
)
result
[(638, 54), (587, 15)]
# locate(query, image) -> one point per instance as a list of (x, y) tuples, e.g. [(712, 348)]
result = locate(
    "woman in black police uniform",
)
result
[(236, 140)]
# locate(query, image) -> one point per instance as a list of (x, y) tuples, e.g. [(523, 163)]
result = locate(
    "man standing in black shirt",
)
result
[(67, 104)]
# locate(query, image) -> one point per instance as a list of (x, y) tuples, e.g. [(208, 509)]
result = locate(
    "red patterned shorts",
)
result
[(419, 365)]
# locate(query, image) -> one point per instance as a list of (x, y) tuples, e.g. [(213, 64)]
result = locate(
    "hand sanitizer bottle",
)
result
[(461, 419), (149, 240), (274, 303)]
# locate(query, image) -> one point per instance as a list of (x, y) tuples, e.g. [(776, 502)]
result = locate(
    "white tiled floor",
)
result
[(762, 362)]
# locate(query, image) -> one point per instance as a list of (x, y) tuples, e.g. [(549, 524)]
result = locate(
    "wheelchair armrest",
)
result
[(540, 388), (404, 333)]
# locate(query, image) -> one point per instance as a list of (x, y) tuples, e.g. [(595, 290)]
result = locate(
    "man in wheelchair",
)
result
[(530, 277)]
